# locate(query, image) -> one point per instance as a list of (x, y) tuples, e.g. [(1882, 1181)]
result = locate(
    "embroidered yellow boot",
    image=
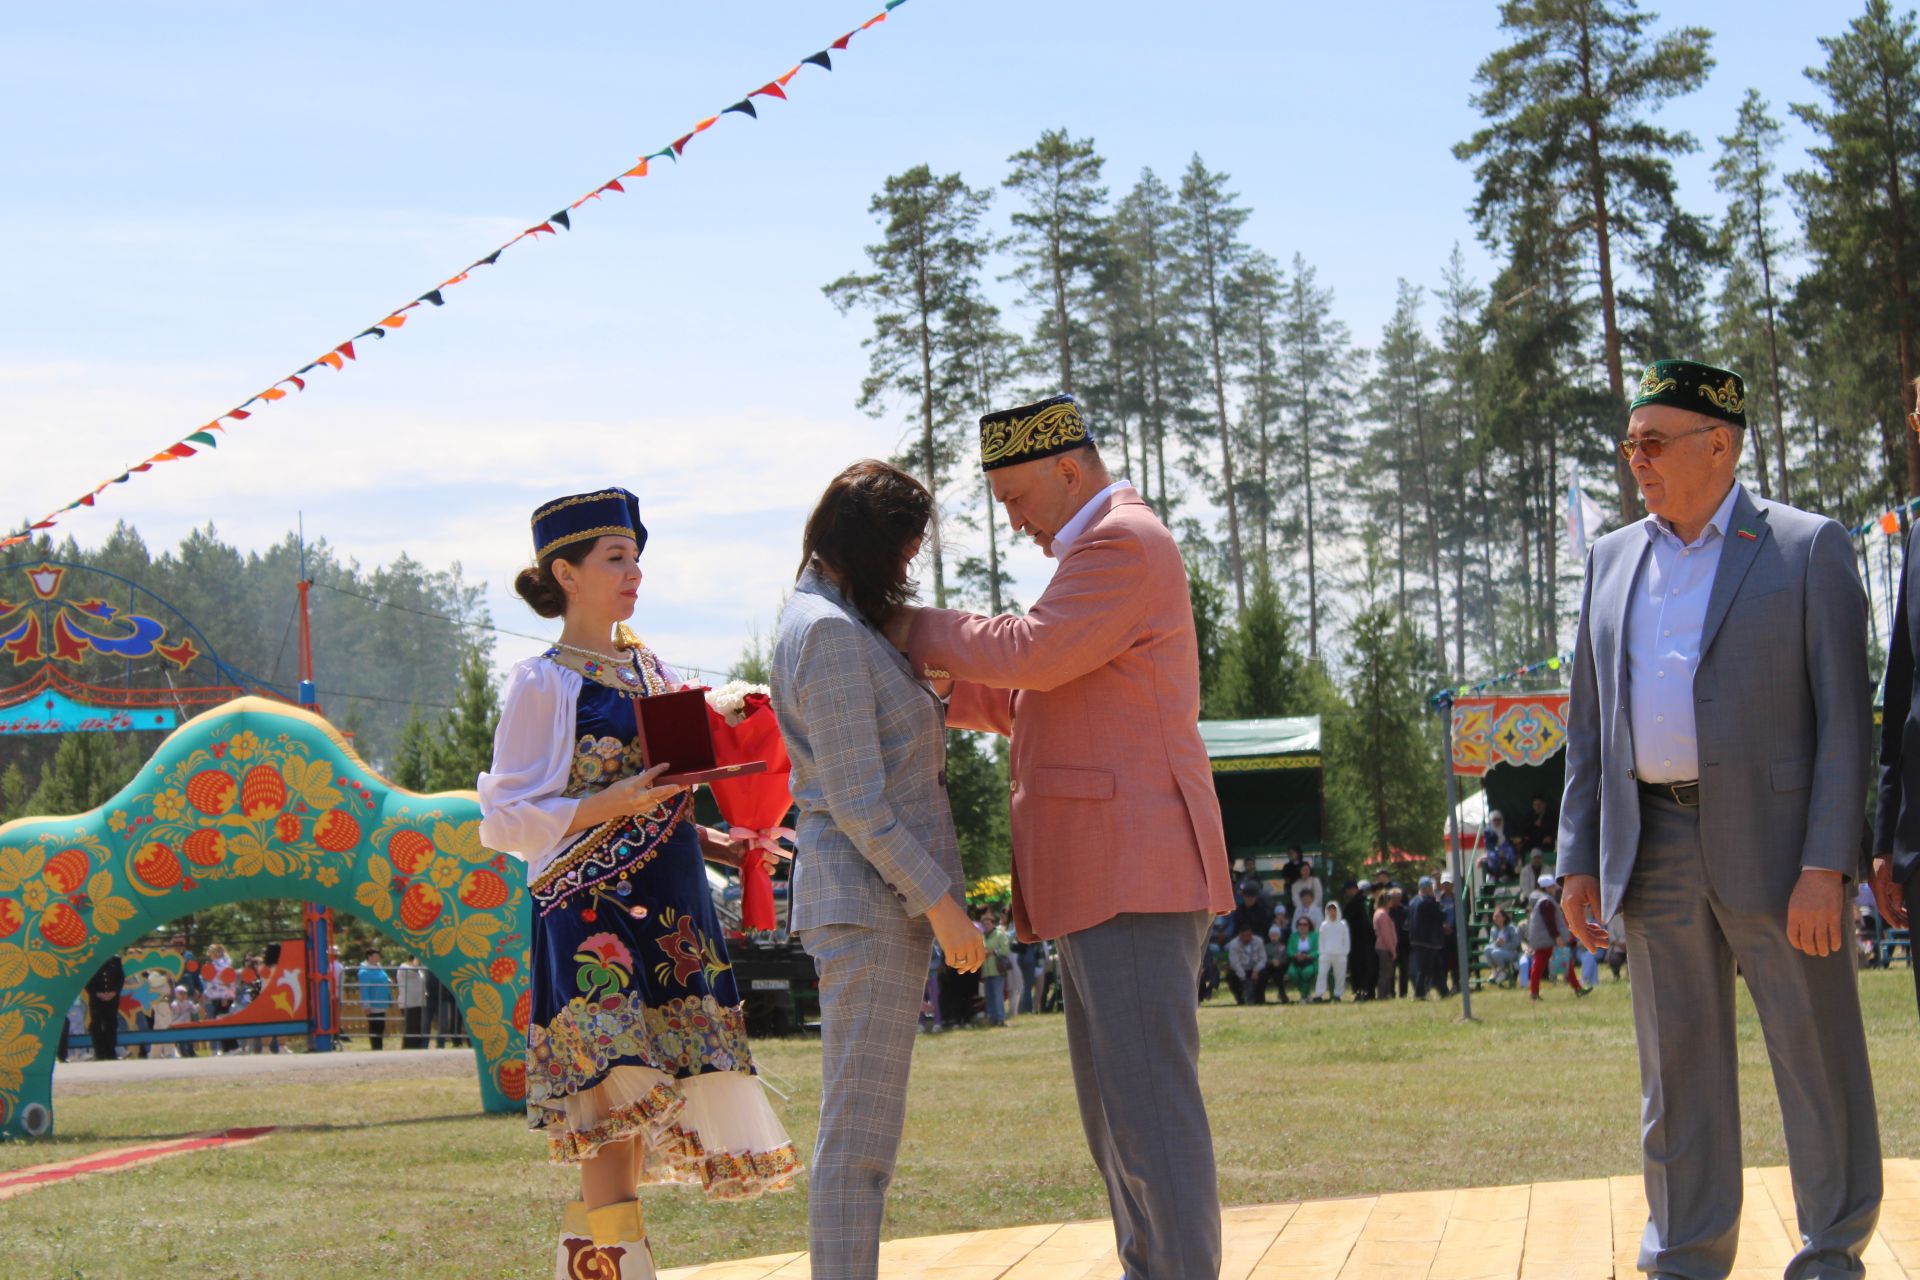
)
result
[(620, 1236), (575, 1240)]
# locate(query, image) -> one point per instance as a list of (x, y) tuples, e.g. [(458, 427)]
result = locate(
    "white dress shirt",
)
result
[(1665, 616), (1078, 523)]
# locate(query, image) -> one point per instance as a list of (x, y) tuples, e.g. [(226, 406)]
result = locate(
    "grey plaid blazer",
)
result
[(869, 750)]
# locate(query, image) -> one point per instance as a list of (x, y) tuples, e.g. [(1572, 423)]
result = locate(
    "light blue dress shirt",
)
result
[(1665, 616), (1078, 522)]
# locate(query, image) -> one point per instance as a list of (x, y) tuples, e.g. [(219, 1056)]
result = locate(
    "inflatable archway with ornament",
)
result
[(256, 799)]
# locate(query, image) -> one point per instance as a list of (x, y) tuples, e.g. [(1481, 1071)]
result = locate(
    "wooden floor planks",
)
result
[(1550, 1230)]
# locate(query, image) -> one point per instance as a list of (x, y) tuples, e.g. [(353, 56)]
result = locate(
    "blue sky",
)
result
[(201, 198)]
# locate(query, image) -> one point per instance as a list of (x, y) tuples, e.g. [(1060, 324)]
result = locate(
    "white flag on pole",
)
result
[(1584, 517)]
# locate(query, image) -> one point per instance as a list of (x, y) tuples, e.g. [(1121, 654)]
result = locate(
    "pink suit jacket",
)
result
[(1098, 687)]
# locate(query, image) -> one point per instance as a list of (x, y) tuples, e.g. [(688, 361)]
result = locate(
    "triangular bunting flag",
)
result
[(820, 59), (744, 106), (563, 218), (874, 21), (86, 501), (346, 349), (487, 261), (679, 143), (273, 393), (373, 329), (771, 89), (205, 438), (331, 360), (545, 226), (705, 125), (841, 43), (394, 321), (299, 383), (613, 184), (183, 450), (433, 296), (238, 415)]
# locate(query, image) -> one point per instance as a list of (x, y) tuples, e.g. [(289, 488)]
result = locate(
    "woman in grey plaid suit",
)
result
[(877, 872)]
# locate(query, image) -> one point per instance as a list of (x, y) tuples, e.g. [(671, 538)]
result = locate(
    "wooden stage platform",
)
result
[(1584, 1230)]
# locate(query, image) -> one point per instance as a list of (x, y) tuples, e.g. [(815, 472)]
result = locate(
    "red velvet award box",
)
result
[(674, 730)]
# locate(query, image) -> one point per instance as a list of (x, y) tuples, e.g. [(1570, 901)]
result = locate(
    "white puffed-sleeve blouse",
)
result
[(524, 807)]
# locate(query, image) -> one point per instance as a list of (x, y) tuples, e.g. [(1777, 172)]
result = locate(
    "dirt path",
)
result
[(75, 1078)]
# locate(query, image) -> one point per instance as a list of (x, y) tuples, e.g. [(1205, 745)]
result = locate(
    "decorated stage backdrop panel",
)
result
[(1521, 729), (252, 800)]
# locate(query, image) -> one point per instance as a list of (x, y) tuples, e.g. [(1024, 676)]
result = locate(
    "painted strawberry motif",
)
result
[(336, 831), (483, 890), (420, 906), (409, 851), (263, 792), (157, 866), (67, 870), (62, 926), (206, 847), (211, 792)]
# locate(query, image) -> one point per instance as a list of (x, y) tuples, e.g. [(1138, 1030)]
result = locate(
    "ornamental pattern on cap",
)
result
[(603, 531), (1726, 397), (1049, 430), (1653, 384)]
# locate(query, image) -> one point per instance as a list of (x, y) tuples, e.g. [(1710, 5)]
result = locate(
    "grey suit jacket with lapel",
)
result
[(1781, 707), (868, 742)]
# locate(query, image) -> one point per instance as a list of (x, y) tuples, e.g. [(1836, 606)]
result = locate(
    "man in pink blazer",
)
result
[(1118, 851)]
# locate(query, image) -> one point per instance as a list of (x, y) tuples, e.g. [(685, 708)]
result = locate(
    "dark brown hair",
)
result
[(861, 529), (540, 589)]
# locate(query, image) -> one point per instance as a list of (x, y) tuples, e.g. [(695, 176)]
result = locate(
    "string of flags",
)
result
[(1887, 522), (1445, 697), (339, 358)]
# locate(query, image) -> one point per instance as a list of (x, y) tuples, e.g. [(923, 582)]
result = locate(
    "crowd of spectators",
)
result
[(172, 993)]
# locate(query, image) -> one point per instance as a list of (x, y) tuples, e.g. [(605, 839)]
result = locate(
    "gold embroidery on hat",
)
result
[(1727, 398), (1053, 426)]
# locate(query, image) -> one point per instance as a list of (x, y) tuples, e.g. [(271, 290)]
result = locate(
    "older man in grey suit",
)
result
[(1716, 767), (877, 873)]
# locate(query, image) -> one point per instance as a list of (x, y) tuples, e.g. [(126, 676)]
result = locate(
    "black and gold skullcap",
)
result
[(1009, 436)]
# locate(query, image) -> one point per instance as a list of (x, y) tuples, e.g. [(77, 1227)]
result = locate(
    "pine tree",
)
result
[(931, 246), (1144, 231), (1058, 243), (1262, 672), (1460, 362), (1211, 251), (1210, 630), (1744, 173), (87, 770), (464, 750), (1569, 106), (1253, 301), (1316, 369), (983, 365), (1862, 219), (977, 792), (413, 758), (1402, 397), (1383, 751)]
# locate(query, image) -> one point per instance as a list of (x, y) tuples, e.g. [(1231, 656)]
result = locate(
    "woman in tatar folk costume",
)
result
[(638, 1068)]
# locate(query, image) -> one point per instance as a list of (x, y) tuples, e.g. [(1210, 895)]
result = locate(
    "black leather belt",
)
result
[(1681, 793)]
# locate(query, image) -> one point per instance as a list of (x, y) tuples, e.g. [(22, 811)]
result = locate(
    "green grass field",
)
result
[(397, 1176)]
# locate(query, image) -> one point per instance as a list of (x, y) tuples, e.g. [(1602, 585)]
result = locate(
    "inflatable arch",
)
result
[(256, 799)]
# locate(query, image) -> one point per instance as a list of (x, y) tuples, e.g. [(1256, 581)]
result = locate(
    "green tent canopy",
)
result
[(1267, 775)]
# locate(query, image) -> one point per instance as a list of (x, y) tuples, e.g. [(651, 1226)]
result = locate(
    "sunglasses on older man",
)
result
[(1654, 446)]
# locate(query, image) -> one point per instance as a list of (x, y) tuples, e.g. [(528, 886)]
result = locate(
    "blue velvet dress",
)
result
[(637, 1029)]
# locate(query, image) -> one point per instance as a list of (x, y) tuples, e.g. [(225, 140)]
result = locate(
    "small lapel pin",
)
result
[(1749, 535)]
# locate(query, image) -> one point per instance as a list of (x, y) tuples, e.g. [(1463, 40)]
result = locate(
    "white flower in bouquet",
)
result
[(730, 699)]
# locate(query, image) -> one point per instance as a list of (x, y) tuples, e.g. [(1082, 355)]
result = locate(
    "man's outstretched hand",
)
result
[(1580, 904)]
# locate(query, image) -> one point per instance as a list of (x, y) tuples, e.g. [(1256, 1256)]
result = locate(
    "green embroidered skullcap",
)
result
[(1699, 388)]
